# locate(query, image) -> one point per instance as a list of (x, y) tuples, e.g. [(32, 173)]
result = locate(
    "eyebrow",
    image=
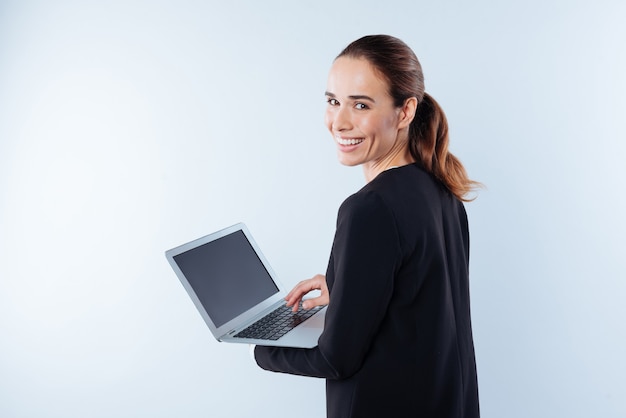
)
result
[(353, 97)]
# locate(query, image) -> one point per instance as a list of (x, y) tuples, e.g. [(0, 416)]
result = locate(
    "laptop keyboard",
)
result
[(277, 323)]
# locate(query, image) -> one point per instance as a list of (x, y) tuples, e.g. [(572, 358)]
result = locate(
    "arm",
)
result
[(365, 257)]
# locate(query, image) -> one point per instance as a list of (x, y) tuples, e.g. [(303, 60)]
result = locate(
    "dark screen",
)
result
[(227, 276)]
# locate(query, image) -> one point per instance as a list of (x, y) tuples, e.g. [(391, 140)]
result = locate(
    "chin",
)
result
[(348, 162)]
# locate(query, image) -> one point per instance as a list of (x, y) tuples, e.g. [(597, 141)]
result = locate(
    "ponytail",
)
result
[(428, 144)]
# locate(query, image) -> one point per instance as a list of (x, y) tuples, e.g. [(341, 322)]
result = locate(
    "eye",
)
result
[(332, 102), (361, 106)]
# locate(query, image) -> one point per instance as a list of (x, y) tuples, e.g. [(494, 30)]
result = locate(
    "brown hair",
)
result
[(428, 133)]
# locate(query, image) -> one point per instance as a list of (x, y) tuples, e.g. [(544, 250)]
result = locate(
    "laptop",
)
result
[(237, 294)]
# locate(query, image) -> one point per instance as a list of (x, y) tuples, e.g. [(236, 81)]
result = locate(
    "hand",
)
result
[(317, 282)]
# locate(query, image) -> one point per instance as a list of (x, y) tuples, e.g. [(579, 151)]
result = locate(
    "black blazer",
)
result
[(397, 340)]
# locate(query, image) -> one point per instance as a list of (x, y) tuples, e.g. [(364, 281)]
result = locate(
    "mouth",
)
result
[(348, 141)]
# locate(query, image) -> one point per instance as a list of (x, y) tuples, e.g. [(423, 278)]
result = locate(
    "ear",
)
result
[(407, 112)]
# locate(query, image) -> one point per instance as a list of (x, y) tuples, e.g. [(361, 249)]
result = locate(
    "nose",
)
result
[(341, 120)]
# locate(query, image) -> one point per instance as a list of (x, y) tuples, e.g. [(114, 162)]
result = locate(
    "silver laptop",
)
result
[(237, 293)]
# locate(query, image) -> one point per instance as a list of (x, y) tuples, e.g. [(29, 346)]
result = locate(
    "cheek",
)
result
[(375, 125), (387, 124)]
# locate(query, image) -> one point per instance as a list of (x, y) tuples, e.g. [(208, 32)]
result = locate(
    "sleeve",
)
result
[(364, 260)]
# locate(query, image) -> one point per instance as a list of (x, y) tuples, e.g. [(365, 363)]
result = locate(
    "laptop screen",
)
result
[(227, 276)]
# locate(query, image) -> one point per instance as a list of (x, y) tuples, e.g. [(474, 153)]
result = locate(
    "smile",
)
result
[(348, 141)]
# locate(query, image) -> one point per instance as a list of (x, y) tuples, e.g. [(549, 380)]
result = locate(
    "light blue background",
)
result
[(127, 128)]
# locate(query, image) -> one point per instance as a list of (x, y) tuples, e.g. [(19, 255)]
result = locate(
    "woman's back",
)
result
[(419, 361)]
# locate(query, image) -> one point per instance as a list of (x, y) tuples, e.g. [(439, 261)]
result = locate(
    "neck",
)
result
[(374, 168)]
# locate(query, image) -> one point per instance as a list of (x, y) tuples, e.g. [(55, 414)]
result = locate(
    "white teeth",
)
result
[(349, 141)]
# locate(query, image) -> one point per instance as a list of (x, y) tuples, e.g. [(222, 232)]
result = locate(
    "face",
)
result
[(366, 126)]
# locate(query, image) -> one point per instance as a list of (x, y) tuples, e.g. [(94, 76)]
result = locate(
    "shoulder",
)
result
[(409, 195), (407, 187), (364, 205), (365, 219), (411, 177)]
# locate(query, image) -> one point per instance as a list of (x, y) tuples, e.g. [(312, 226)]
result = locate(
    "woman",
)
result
[(397, 340)]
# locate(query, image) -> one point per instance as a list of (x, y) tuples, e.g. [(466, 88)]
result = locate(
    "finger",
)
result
[(296, 305), (294, 297), (313, 302), (302, 288), (294, 293), (317, 282)]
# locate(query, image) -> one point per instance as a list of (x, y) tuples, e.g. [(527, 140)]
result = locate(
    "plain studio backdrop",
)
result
[(128, 128)]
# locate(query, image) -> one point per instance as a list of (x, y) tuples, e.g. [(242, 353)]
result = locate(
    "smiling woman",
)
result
[(397, 338)]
